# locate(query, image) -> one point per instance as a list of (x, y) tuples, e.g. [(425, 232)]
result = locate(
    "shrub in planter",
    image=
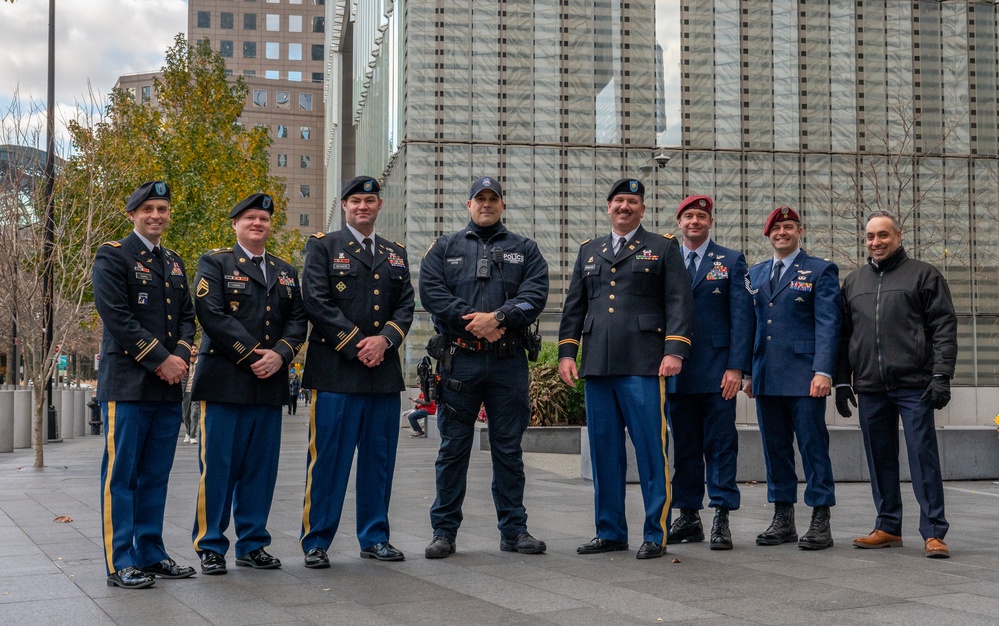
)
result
[(553, 403)]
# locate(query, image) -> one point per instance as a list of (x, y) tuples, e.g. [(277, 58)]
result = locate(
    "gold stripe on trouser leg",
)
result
[(202, 512), (307, 506), (662, 438), (108, 520)]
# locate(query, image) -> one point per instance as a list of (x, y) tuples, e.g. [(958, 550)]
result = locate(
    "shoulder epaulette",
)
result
[(277, 258), (586, 242), (318, 235), (399, 244), (113, 244), (220, 251), (669, 236)]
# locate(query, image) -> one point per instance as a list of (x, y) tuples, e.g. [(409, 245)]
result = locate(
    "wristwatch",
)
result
[(500, 316)]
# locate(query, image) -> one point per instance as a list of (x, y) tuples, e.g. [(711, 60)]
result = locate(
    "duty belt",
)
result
[(512, 343)]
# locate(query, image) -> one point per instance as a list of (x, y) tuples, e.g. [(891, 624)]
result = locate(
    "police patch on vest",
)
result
[(513, 257), (799, 285)]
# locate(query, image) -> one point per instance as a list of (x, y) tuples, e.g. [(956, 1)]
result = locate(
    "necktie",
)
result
[(368, 251), (776, 276), (692, 266), (620, 245), (156, 253), (257, 260)]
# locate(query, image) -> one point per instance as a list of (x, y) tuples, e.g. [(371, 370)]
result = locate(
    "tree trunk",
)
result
[(38, 426)]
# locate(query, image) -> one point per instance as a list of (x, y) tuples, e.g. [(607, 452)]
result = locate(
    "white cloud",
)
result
[(96, 41)]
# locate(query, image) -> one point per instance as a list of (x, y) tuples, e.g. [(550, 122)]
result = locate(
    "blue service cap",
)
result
[(627, 185), (260, 201), (359, 184), (485, 183), (153, 190)]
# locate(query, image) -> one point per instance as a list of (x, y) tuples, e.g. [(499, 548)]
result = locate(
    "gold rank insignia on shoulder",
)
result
[(319, 235), (113, 244), (586, 242), (220, 251), (669, 236), (202, 288), (399, 244)]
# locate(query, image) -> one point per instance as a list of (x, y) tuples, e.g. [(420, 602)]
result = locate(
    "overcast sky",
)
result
[(96, 41)]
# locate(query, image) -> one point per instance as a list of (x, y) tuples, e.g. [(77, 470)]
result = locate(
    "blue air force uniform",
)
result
[(145, 305), (702, 422), (797, 335), (351, 295), (241, 308), (629, 310)]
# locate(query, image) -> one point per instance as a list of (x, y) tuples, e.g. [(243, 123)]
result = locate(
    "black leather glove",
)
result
[(938, 392), (844, 398)]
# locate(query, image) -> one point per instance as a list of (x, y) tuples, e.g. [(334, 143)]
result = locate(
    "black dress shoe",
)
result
[(651, 550), (168, 568), (258, 559), (598, 545), (524, 543), (819, 535), (212, 563), (721, 535), (130, 578), (383, 551), (317, 558), (687, 528), (781, 529), (440, 548)]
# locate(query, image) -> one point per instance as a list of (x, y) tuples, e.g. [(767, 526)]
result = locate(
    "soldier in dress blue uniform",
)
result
[(702, 399), (630, 302), (484, 286), (359, 297), (797, 301), (141, 293), (251, 311)]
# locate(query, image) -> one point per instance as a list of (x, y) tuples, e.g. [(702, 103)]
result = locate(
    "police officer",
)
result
[(250, 308), (630, 302), (797, 301), (359, 297), (484, 286), (141, 293), (702, 404)]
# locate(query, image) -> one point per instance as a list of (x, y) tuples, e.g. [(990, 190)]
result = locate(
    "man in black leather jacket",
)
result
[(898, 348)]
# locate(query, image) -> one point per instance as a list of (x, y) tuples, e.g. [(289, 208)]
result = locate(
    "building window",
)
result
[(249, 21), (273, 22), (305, 101), (147, 93), (294, 23), (317, 77), (228, 72), (306, 132), (225, 49), (303, 219), (294, 1), (272, 74), (273, 1), (295, 77), (317, 52), (319, 24), (305, 162), (260, 98), (282, 160), (272, 50), (249, 72), (249, 49), (319, 3), (282, 128), (204, 19), (305, 191), (294, 52), (283, 100), (225, 20)]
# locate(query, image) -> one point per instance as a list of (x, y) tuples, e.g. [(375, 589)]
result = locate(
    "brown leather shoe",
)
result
[(936, 549), (878, 539)]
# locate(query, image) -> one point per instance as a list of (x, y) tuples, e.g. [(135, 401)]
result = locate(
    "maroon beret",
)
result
[(694, 202), (780, 214)]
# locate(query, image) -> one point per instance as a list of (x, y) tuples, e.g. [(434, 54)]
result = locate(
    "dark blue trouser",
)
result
[(238, 456), (414, 419), (140, 441), (341, 423), (782, 418), (501, 384), (704, 436), (879, 415), (637, 403)]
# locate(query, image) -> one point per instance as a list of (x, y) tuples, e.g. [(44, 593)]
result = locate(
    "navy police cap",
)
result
[(481, 184), (359, 184), (260, 201), (153, 190), (627, 185)]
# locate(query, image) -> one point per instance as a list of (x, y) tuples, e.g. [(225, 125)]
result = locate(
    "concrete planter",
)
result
[(547, 439), (6, 421)]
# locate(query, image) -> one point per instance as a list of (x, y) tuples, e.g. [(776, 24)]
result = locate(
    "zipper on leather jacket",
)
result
[(877, 331)]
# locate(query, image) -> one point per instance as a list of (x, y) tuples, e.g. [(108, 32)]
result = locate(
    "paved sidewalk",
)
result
[(52, 573)]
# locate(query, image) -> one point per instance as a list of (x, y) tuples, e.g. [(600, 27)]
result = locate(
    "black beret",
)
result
[(254, 201), (485, 183), (627, 185), (359, 184), (153, 190)]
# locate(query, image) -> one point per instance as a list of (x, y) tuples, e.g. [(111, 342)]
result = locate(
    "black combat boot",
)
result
[(781, 529), (721, 536), (686, 528), (819, 536)]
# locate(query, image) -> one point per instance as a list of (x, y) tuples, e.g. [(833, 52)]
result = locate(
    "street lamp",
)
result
[(660, 159)]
